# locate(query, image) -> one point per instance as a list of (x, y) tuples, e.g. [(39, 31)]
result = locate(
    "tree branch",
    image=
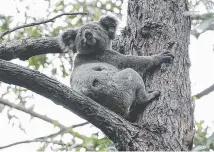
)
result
[(35, 140), (44, 138), (113, 125), (38, 23), (203, 93), (26, 48), (63, 129), (33, 113), (197, 16)]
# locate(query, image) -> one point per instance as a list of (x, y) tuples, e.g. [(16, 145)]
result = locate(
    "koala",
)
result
[(106, 76)]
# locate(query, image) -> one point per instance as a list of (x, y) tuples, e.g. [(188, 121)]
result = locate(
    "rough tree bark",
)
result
[(154, 25)]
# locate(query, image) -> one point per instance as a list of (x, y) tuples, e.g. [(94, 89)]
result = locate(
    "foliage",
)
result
[(203, 141)]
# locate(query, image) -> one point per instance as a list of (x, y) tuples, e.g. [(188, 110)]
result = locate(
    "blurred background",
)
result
[(45, 126)]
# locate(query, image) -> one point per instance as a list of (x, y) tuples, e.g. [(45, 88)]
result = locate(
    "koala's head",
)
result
[(91, 37)]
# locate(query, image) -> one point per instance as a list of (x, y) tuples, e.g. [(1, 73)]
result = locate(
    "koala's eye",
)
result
[(95, 28)]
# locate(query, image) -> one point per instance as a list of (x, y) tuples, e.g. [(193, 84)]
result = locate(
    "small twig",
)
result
[(33, 113), (44, 138), (203, 93), (38, 23), (34, 140), (63, 129)]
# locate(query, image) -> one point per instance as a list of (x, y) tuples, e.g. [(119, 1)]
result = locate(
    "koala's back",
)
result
[(106, 84)]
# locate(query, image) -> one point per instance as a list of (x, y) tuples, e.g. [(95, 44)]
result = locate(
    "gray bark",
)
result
[(26, 48), (167, 123)]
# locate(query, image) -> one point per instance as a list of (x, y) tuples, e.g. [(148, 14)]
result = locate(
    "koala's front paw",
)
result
[(153, 95), (166, 57), (156, 93)]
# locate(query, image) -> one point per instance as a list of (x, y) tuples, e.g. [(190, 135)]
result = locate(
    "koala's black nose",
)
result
[(88, 35)]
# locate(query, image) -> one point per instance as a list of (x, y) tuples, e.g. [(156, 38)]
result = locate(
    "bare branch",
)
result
[(63, 129), (44, 138), (35, 140), (113, 125), (26, 48), (42, 117), (38, 23), (31, 112), (197, 16), (203, 93)]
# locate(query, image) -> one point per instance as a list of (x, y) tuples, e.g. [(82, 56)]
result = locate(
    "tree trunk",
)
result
[(152, 26)]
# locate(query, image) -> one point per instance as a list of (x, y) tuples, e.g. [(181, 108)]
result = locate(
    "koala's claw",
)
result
[(156, 93), (166, 57), (153, 95)]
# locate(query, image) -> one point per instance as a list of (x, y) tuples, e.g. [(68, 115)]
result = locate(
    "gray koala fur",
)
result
[(108, 77)]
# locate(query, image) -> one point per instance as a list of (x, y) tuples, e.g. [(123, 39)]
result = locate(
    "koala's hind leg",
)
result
[(131, 81)]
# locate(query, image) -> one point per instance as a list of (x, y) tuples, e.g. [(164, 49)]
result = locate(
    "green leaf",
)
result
[(37, 61), (56, 123), (194, 98)]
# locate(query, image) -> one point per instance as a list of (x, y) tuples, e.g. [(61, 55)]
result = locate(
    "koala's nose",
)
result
[(88, 35)]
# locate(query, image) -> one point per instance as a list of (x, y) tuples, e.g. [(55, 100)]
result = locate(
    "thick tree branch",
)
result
[(26, 48), (38, 23), (114, 126), (204, 92)]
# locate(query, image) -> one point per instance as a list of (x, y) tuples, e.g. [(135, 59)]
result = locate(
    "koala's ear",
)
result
[(67, 40), (110, 23)]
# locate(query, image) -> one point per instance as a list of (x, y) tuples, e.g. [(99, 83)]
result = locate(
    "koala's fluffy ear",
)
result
[(110, 23), (67, 40)]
